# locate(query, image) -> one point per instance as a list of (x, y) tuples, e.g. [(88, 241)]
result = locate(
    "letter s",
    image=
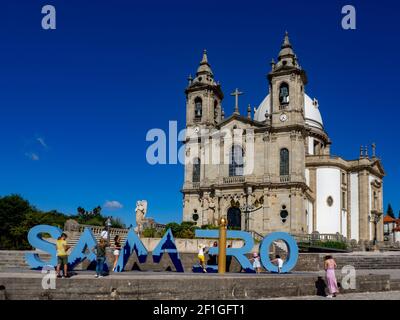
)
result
[(35, 240)]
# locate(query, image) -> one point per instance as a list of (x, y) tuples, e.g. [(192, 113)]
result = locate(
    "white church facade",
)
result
[(274, 171)]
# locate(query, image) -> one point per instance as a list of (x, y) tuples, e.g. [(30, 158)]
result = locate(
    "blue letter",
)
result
[(167, 244), (238, 253), (132, 243), (35, 240), (86, 243), (293, 251)]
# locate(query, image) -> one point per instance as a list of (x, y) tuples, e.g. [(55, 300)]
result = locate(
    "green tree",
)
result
[(149, 232), (390, 212), (13, 209), (175, 228), (17, 217)]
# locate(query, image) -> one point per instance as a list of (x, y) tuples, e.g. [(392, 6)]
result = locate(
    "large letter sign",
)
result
[(35, 240), (238, 253), (167, 245), (292, 256), (87, 242), (132, 243)]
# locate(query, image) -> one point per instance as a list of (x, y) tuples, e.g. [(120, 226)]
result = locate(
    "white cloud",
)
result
[(33, 156), (113, 205), (41, 142)]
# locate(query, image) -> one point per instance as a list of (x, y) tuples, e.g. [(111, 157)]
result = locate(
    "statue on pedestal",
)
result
[(141, 210)]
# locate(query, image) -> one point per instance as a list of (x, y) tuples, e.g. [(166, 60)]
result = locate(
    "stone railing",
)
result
[(98, 229), (231, 180), (285, 178), (196, 185), (310, 238)]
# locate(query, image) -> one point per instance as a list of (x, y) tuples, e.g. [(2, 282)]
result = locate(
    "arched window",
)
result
[(236, 161), (284, 162), (198, 108), (284, 93), (196, 170)]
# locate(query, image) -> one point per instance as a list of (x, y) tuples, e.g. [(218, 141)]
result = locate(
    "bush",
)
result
[(209, 227), (185, 230), (326, 244), (149, 233)]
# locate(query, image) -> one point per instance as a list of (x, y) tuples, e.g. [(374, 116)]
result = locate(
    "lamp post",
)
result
[(222, 246)]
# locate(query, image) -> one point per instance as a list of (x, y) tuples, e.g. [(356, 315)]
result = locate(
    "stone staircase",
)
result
[(368, 261), (16, 259), (73, 237)]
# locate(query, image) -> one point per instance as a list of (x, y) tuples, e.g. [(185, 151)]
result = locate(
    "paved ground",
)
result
[(388, 295), (14, 272)]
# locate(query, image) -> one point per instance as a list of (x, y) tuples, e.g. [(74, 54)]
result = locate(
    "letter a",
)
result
[(349, 20), (49, 20)]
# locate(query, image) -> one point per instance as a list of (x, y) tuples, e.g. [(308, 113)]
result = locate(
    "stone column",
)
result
[(313, 187), (348, 235), (267, 155), (297, 211), (380, 224), (363, 203)]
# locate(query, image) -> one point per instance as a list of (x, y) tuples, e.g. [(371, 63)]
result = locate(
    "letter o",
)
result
[(293, 251)]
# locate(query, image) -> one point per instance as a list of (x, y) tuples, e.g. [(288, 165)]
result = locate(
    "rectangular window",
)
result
[(344, 200)]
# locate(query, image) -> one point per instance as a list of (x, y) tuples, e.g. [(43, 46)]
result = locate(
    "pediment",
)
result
[(240, 122)]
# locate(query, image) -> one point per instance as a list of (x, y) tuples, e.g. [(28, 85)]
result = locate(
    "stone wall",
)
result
[(142, 287)]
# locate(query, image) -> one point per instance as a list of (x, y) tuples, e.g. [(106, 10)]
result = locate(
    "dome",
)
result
[(311, 112)]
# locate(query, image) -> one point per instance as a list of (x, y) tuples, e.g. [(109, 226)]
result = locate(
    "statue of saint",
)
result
[(211, 210), (141, 210)]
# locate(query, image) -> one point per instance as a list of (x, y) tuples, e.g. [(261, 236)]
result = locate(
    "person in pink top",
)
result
[(329, 267)]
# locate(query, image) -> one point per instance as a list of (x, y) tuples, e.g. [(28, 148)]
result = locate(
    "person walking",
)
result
[(62, 256), (117, 250), (100, 257), (212, 261), (329, 266), (279, 262), (256, 262), (201, 257)]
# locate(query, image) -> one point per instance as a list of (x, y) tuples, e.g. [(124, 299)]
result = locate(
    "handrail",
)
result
[(99, 229)]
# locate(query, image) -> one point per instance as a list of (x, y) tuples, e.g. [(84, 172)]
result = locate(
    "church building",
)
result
[(279, 175)]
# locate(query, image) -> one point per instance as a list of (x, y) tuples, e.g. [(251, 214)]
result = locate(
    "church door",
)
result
[(234, 218)]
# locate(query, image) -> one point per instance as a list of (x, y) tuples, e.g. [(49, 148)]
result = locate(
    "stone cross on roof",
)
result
[(236, 93)]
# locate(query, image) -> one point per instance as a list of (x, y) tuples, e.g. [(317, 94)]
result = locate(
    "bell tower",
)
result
[(203, 97), (285, 148), (286, 84)]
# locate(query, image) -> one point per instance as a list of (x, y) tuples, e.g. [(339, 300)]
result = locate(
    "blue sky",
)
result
[(76, 102)]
